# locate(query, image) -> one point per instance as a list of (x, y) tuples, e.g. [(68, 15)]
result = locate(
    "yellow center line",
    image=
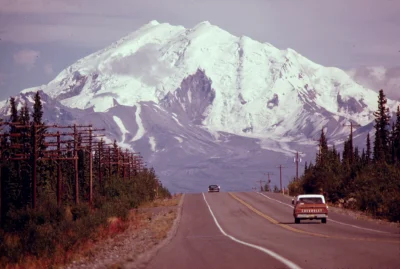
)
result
[(287, 227)]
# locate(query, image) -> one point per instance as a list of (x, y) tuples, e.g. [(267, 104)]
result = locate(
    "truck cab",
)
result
[(310, 206)]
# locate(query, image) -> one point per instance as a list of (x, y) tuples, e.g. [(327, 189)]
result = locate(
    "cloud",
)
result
[(26, 58), (379, 77), (38, 6), (48, 69), (144, 63), (69, 35)]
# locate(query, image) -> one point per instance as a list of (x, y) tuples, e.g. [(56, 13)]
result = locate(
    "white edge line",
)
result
[(354, 226), (274, 255)]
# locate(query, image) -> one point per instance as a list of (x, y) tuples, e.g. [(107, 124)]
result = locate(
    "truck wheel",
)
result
[(323, 220), (296, 220)]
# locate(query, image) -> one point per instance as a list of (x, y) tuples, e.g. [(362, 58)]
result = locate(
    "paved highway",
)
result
[(253, 230)]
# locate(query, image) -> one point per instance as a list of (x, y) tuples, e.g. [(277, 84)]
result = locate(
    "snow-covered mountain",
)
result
[(204, 106)]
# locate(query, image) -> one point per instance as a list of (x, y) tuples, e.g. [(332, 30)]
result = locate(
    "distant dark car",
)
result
[(213, 188)]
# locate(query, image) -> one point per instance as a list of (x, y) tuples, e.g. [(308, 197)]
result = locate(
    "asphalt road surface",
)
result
[(253, 230)]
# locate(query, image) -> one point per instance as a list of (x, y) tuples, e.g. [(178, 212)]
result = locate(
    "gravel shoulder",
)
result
[(149, 229)]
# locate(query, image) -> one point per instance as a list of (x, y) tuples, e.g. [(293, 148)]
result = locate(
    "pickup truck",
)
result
[(310, 206)]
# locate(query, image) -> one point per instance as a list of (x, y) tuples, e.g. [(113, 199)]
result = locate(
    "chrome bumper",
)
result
[(312, 216)]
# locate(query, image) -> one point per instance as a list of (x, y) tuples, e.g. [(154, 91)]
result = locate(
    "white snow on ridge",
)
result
[(176, 120), (180, 140), (152, 142), (141, 131), (124, 131)]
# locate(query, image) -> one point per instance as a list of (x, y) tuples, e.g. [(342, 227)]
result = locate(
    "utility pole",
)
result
[(59, 176), (269, 180), (351, 139), (280, 177), (90, 167), (297, 160), (261, 181), (76, 165)]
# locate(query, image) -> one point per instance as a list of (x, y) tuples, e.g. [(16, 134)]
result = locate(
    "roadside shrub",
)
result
[(40, 232)]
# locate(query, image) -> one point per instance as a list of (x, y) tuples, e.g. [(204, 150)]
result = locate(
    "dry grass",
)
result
[(146, 228), (158, 226), (174, 201)]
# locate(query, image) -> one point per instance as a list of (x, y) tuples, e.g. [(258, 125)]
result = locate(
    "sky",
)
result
[(40, 38)]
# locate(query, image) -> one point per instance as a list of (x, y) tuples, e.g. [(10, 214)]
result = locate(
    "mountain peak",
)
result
[(153, 22), (203, 23)]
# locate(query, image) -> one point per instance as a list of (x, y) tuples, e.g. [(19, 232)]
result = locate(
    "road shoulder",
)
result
[(150, 228), (144, 258)]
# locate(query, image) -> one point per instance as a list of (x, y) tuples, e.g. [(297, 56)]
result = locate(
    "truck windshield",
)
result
[(311, 200)]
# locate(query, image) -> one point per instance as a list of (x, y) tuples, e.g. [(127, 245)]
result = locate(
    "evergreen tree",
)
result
[(37, 136), (37, 114), (392, 145), (323, 148), (357, 156), (396, 136), (382, 123), (346, 153), (363, 157), (368, 152), (24, 115), (14, 110), (13, 119)]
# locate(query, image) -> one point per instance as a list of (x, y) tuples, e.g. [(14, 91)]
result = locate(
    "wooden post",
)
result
[(59, 179), (90, 167), (76, 165), (109, 163), (117, 154), (129, 165), (100, 157)]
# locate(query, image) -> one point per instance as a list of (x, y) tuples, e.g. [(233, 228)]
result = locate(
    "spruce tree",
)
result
[(24, 118), (24, 115), (382, 123), (37, 114), (368, 152), (37, 134), (323, 148), (396, 136), (14, 110), (13, 119)]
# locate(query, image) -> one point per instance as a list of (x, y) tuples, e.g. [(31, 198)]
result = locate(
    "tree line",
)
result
[(35, 162), (366, 179)]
